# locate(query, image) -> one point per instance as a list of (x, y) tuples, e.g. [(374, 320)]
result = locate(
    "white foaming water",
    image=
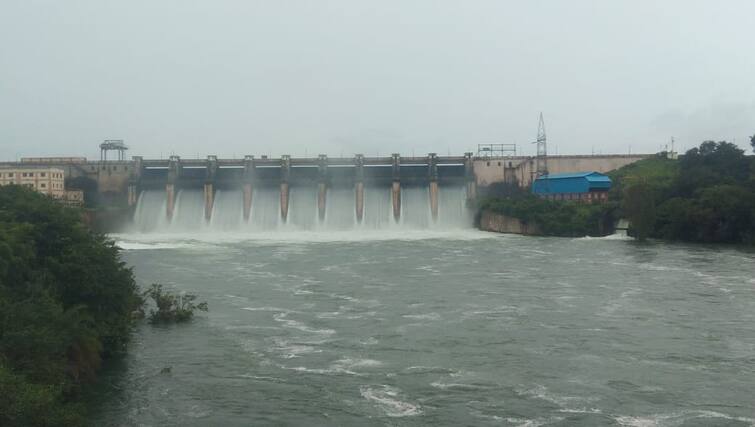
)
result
[(677, 418), (387, 399), (340, 211), (150, 211), (227, 211)]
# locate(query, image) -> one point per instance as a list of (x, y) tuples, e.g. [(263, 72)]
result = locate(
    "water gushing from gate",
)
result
[(340, 210)]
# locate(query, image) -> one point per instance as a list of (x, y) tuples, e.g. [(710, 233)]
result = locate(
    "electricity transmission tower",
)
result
[(542, 151)]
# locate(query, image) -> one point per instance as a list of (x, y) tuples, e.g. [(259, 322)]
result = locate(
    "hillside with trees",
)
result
[(66, 304), (708, 195)]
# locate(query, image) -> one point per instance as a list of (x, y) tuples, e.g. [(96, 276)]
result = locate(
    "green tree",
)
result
[(710, 164), (676, 219), (66, 302), (639, 207)]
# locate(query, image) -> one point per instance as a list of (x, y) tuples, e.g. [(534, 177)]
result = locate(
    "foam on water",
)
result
[(677, 418), (387, 399), (133, 246), (201, 239)]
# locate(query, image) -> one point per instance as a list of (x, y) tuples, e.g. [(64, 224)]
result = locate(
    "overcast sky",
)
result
[(342, 77)]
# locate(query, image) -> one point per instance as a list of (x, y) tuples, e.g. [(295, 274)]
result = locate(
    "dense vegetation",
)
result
[(708, 195), (555, 218), (66, 303)]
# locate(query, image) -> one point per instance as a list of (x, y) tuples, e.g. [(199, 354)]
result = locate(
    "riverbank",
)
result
[(706, 196), (530, 215)]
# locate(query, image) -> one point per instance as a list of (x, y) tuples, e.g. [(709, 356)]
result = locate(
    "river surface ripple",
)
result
[(463, 328)]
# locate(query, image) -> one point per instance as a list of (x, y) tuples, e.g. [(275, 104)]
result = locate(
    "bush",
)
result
[(171, 307)]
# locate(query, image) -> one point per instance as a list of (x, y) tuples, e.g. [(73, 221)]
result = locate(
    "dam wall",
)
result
[(302, 193), (303, 213), (522, 169), (498, 223)]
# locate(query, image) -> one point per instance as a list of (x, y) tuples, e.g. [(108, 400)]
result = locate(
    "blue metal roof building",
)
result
[(573, 186)]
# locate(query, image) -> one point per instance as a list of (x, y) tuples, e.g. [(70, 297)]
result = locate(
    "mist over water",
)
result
[(340, 211)]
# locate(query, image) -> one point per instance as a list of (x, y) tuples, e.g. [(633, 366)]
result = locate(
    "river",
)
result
[(439, 328)]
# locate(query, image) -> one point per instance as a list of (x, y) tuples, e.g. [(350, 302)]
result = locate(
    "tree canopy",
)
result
[(708, 195), (66, 302)]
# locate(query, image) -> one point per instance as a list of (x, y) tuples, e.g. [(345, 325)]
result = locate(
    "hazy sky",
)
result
[(342, 77)]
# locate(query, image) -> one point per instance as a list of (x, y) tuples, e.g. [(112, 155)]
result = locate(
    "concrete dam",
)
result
[(302, 194), (323, 192)]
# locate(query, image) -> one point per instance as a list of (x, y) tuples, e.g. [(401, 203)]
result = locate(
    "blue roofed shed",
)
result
[(578, 185)]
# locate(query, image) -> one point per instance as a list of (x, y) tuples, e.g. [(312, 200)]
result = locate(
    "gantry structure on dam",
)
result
[(212, 173)]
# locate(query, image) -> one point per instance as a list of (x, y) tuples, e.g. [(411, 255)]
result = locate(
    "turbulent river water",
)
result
[(423, 327)]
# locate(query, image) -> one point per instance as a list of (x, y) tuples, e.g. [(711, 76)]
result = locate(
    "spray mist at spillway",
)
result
[(265, 216)]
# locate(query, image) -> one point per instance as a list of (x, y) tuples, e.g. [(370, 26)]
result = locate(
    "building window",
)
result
[(43, 185), (43, 174)]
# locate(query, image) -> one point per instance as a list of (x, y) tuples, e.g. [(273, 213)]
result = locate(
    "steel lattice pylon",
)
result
[(542, 149)]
